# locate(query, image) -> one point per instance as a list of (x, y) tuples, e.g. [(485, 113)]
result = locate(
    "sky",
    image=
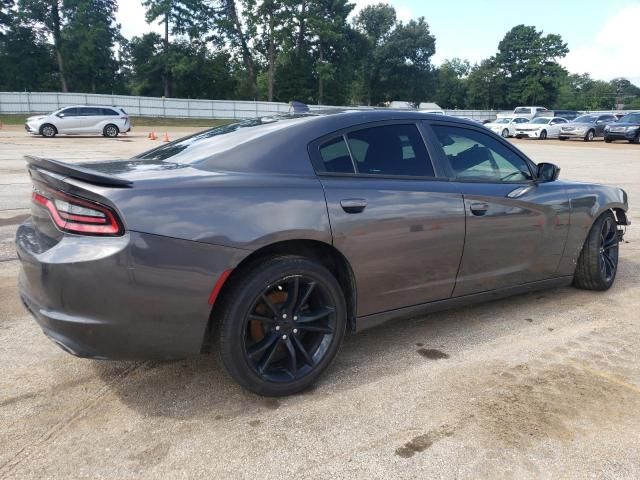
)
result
[(602, 34)]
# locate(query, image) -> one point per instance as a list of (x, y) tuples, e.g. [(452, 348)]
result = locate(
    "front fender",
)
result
[(588, 202)]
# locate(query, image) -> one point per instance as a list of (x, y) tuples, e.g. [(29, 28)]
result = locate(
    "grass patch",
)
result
[(19, 119)]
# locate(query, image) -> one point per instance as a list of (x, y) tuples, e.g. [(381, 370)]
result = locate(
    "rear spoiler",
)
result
[(78, 172)]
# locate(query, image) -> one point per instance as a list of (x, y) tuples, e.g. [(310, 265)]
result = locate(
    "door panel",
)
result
[(516, 240), (405, 244), (516, 227)]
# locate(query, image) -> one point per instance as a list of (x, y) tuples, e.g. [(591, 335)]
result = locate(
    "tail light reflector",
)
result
[(76, 215)]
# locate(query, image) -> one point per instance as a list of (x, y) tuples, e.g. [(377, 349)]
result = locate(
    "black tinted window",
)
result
[(70, 112), (390, 150), (108, 111), (335, 156), (90, 111), (476, 156)]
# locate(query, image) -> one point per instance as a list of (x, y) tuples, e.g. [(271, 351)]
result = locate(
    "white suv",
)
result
[(81, 119)]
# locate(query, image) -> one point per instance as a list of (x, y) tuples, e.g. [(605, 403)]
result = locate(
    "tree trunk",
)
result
[(320, 74), (247, 59), (271, 59), (57, 40), (165, 70), (302, 30)]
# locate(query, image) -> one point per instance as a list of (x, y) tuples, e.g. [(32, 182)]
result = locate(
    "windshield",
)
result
[(631, 118), (540, 120), (522, 110), (586, 119), (503, 120)]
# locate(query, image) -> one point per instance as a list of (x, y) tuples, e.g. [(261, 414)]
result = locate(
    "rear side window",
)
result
[(335, 156), (108, 112), (88, 112), (386, 150), (390, 150)]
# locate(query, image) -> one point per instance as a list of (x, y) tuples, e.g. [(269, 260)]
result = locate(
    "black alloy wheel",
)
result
[(598, 262), (282, 323), (543, 135), (608, 249), (288, 329)]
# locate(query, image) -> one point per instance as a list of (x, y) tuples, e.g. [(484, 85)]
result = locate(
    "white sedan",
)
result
[(506, 126), (541, 128)]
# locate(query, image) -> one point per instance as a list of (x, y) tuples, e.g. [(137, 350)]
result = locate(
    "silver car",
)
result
[(80, 120)]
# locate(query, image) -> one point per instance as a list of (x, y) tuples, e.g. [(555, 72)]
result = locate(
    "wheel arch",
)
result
[(50, 124), (321, 252)]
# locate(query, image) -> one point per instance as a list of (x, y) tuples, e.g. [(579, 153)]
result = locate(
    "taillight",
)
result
[(75, 215)]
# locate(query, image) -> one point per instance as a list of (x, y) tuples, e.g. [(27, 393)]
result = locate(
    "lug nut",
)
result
[(295, 330), (284, 315), (277, 327), (284, 337), (295, 317)]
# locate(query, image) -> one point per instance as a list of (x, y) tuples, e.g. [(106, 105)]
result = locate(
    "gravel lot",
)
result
[(544, 385)]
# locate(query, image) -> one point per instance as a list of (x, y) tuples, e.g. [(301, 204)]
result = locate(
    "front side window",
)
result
[(476, 156)]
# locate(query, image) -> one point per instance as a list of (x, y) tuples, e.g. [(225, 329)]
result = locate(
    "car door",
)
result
[(69, 120), (516, 227), (393, 215), (554, 127)]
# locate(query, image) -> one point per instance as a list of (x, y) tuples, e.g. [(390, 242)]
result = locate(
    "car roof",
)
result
[(275, 144), (89, 106)]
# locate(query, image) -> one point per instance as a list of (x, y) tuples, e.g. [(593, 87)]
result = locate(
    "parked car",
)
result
[(506, 126), (402, 105), (271, 238), (586, 127), (81, 120), (566, 114), (541, 128), (627, 128), (531, 112)]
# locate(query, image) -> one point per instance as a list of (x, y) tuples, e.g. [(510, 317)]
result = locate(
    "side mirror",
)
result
[(548, 172), (60, 115)]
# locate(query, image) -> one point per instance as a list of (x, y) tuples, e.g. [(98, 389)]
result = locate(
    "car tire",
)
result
[(110, 131), (589, 136), (636, 140), (543, 135), (505, 133), (49, 131), (598, 262), (562, 138), (607, 140), (265, 344)]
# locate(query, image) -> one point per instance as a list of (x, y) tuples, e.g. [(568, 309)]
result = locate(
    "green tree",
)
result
[(180, 17), (26, 59), (375, 23), (528, 60), (48, 15), (90, 36), (406, 70), (486, 86), (451, 83)]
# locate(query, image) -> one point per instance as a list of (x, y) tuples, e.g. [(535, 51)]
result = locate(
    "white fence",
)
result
[(26, 102)]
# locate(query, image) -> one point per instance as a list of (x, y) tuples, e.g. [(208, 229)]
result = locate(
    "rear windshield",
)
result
[(522, 110), (203, 145)]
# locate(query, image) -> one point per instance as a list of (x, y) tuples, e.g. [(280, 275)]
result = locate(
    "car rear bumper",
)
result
[(138, 296)]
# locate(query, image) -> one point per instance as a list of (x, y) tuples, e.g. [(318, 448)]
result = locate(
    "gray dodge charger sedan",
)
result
[(267, 240)]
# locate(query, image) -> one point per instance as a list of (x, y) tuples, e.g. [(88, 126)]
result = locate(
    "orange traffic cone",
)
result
[(152, 136), (166, 137)]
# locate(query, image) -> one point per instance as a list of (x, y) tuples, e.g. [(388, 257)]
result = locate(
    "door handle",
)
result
[(353, 205), (479, 208)]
